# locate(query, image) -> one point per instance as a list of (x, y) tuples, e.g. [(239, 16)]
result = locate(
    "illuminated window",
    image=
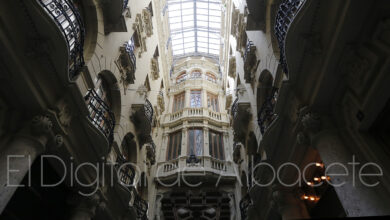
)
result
[(178, 102), (195, 26), (212, 102), (216, 145), (195, 141), (174, 145), (196, 99)]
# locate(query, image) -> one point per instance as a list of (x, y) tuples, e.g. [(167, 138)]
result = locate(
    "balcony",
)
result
[(195, 80), (141, 206), (266, 114), (142, 118), (245, 202), (126, 63), (201, 165), (126, 172), (113, 15), (288, 9), (100, 114), (68, 20), (194, 114), (241, 115), (250, 62)]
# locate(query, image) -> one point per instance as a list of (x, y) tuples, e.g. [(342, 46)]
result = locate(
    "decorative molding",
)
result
[(138, 27), (232, 67), (147, 21), (161, 102), (154, 69), (250, 62), (127, 66)]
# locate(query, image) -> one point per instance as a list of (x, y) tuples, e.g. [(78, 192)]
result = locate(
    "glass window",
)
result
[(196, 99), (196, 74), (174, 146), (216, 145), (212, 102), (211, 77), (195, 142), (195, 26), (182, 77), (178, 102)]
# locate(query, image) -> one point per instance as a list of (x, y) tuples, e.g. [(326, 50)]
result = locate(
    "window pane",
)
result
[(196, 101)]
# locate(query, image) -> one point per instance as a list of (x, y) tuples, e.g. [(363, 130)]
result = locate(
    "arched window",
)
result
[(211, 77), (196, 74), (182, 77)]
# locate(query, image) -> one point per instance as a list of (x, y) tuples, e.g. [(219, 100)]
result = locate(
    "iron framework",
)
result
[(141, 207), (100, 114), (148, 111), (266, 113), (288, 9), (69, 21)]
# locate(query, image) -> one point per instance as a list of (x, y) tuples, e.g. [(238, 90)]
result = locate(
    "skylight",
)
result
[(195, 27)]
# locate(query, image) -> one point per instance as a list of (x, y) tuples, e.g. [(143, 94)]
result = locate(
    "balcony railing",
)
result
[(245, 202), (195, 163), (248, 48), (288, 9), (125, 2), (266, 113), (100, 114), (148, 111), (141, 207), (126, 172), (69, 22), (195, 112), (234, 108)]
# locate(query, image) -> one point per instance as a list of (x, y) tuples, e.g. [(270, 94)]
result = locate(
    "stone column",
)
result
[(187, 98), (184, 141), (204, 98), (345, 162), (83, 207), (289, 205), (206, 149), (16, 158)]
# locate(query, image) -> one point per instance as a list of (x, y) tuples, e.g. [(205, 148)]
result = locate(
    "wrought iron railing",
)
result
[(234, 108), (245, 202), (148, 110), (125, 2), (130, 47), (69, 21), (266, 113), (141, 207), (126, 172), (100, 114), (249, 45), (288, 9)]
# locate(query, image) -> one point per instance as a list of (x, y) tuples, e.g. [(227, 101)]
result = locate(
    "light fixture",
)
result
[(319, 165)]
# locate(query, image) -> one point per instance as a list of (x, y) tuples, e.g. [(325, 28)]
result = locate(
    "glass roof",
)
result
[(195, 27)]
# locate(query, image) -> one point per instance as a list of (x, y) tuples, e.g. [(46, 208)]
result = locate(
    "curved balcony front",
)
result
[(168, 170), (287, 12), (100, 115), (68, 20), (203, 81), (195, 114)]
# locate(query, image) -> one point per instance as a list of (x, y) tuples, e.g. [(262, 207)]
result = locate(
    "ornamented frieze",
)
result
[(154, 70)]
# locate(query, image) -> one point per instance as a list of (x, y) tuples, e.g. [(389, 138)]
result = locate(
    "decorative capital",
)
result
[(41, 125), (311, 122)]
